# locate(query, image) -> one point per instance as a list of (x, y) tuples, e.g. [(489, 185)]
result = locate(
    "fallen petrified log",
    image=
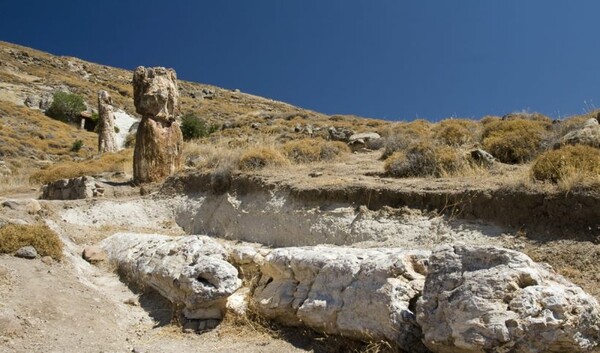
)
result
[(191, 271), (456, 299), (366, 294), (489, 299)]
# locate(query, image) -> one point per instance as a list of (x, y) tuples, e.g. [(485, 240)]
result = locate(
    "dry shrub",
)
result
[(424, 159), (42, 238), (108, 162), (527, 116), (314, 150), (488, 119), (210, 156), (457, 132), (403, 135), (569, 166), (260, 157), (514, 141)]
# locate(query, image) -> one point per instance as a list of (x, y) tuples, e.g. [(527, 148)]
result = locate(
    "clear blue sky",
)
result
[(388, 59)]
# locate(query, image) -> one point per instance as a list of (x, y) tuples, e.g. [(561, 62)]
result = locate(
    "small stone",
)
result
[(27, 252), (93, 254), (315, 174), (132, 301), (47, 260)]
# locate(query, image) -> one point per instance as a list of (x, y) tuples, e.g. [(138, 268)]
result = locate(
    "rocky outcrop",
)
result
[(359, 293), (588, 134), (159, 142), (487, 299), (365, 140), (190, 271), (73, 189), (106, 124)]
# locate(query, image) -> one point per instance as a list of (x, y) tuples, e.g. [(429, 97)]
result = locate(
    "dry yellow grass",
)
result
[(457, 132), (261, 157), (425, 159), (569, 167), (514, 141), (314, 150), (42, 238), (109, 162)]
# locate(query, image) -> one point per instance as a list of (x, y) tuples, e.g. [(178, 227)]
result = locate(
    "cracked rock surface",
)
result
[(359, 293), (489, 299), (191, 270)]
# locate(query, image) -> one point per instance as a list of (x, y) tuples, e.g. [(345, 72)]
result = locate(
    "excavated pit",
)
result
[(276, 216)]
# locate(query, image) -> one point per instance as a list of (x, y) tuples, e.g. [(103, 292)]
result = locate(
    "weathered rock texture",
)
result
[(360, 293), (190, 271), (589, 135), (487, 299), (159, 141), (73, 189), (106, 124)]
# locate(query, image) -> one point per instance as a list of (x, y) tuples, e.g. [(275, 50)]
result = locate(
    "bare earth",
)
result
[(72, 306)]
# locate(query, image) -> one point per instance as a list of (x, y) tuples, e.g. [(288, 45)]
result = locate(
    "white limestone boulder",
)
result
[(489, 299), (191, 271), (360, 293)]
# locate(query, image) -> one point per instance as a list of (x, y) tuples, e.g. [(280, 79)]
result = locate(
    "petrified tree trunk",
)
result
[(106, 124), (159, 141)]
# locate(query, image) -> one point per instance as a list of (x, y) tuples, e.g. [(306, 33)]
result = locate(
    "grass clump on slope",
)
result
[(569, 166), (43, 239)]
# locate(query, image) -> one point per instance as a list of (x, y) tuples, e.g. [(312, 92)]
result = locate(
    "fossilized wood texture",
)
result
[(360, 293), (159, 142), (191, 271), (106, 124), (488, 299)]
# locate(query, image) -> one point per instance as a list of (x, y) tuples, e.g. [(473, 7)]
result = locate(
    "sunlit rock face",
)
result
[(107, 141), (159, 141)]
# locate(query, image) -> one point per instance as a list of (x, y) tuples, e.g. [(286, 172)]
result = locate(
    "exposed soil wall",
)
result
[(571, 215)]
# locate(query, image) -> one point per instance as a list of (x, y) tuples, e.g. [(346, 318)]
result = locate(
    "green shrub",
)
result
[(570, 163), (66, 107), (43, 239), (514, 141), (425, 159), (192, 127), (77, 145)]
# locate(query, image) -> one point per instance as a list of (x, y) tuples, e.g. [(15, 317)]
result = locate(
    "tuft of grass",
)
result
[(260, 157), (569, 167), (457, 132), (314, 150), (514, 141), (108, 162), (402, 135), (425, 159), (42, 238)]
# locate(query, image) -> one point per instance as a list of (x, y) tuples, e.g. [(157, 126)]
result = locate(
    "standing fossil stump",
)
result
[(106, 124), (159, 141)]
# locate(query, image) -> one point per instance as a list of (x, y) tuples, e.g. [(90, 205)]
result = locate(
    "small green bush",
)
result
[(77, 145), (43, 239), (192, 127), (66, 107)]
